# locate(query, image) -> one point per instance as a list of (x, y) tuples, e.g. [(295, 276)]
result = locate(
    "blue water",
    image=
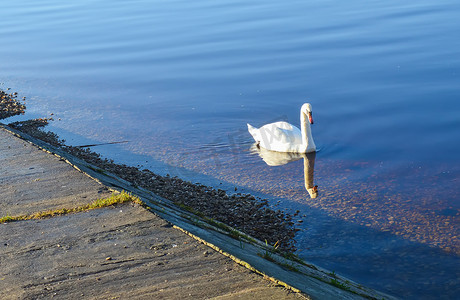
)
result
[(179, 80)]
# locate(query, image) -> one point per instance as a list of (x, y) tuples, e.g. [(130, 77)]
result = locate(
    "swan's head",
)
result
[(306, 109)]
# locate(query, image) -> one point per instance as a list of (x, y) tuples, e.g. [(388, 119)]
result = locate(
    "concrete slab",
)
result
[(68, 257), (32, 180)]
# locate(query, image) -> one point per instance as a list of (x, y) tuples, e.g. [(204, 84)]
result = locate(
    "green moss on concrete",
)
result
[(115, 198)]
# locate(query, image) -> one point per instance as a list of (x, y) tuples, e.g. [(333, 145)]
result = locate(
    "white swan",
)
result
[(284, 137)]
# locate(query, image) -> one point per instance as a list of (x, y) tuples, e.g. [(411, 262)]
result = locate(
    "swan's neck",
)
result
[(307, 138)]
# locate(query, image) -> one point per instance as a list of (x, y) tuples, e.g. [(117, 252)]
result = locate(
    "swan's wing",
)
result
[(290, 136), (279, 133), (288, 133)]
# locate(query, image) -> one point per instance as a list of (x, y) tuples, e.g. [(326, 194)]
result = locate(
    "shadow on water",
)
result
[(378, 259)]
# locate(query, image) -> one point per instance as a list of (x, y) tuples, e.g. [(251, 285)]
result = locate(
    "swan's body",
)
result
[(284, 137)]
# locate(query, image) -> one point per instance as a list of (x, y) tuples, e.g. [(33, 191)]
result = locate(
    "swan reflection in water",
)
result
[(273, 158)]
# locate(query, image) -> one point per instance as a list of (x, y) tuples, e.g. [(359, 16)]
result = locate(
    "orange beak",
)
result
[(310, 117)]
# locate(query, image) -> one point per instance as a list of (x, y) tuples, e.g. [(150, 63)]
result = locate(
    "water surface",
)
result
[(179, 80)]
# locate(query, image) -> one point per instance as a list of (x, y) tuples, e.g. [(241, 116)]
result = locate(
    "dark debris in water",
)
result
[(10, 105)]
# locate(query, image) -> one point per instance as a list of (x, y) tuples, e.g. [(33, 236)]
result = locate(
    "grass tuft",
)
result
[(339, 284), (115, 198)]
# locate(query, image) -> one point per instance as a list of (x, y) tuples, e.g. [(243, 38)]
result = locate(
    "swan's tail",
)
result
[(253, 131)]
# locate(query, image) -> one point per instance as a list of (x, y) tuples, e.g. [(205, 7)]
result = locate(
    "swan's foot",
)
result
[(258, 144)]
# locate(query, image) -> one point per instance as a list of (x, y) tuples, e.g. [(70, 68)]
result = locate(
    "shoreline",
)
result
[(241, 211), (200, 209)]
